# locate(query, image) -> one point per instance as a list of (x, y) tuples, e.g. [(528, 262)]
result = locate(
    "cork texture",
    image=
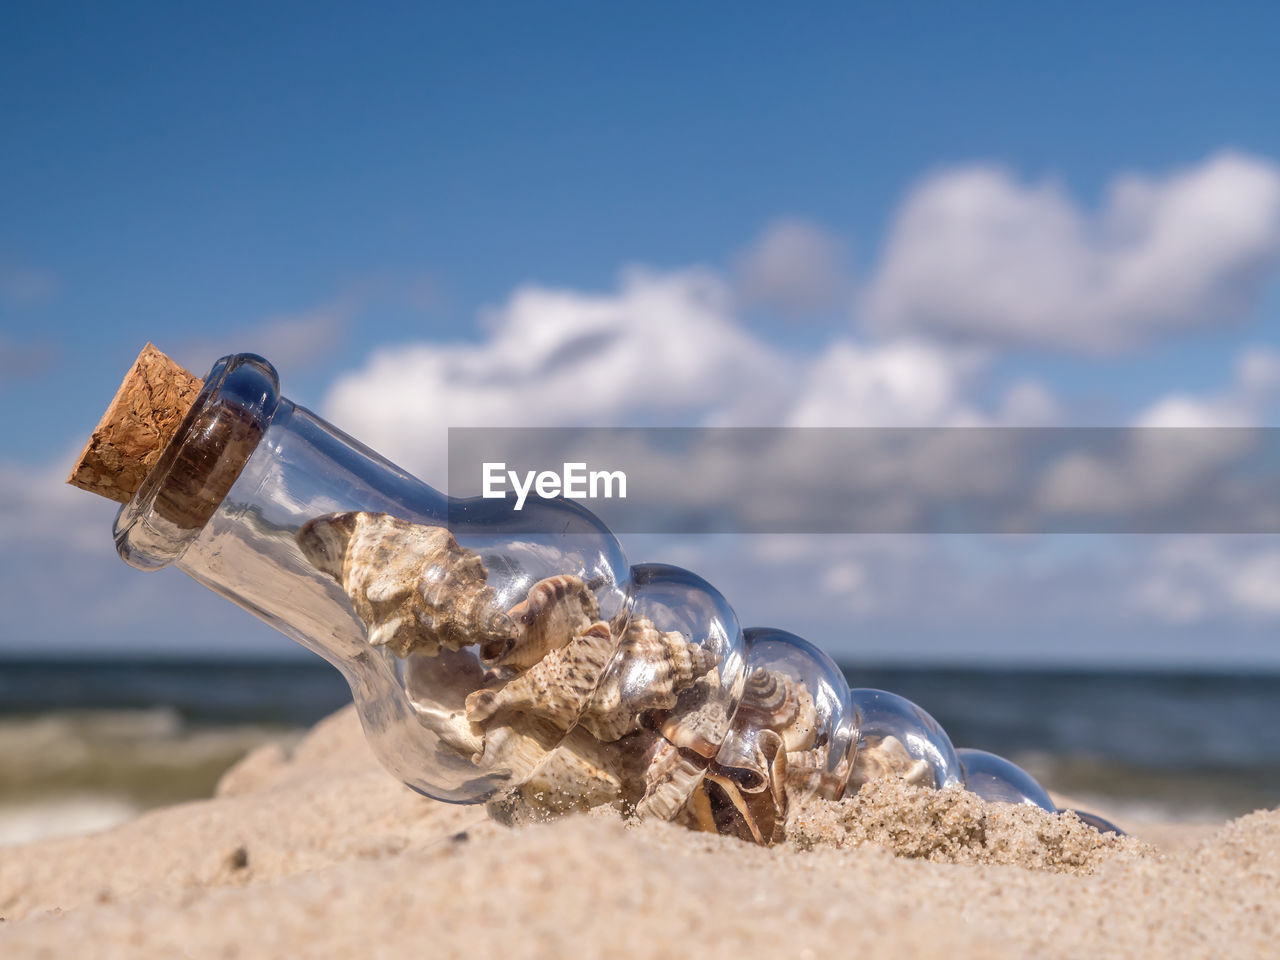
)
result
[(145, 414)]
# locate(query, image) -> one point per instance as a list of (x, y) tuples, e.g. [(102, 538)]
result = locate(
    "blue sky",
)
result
[(347, 185)]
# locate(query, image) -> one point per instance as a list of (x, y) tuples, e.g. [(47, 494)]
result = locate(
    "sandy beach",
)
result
[(321, 853)]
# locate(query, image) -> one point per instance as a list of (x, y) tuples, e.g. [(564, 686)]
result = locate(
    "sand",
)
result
[(320, 853)]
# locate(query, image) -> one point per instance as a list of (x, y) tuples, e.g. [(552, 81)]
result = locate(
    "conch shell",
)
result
[(774, 708), (556, 610), (758, 812), (556, 687), (651, 669), (880, 757), (414, 588), (670, 778), (579, 774)]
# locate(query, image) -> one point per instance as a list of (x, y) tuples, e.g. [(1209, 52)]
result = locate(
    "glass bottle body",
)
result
[(486, 656), (517, 656)]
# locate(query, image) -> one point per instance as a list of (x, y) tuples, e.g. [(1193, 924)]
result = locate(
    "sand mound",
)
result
[(323, 854), (955, 826)]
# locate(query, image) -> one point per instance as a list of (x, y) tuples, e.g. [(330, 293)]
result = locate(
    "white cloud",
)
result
[(1176, 459), (1254, 388), (1198, 579), (796, 268), (976, 255), (663, 349), (908, 383)]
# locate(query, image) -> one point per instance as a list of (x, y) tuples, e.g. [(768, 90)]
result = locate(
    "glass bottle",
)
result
[(491, 660), (488, 659)]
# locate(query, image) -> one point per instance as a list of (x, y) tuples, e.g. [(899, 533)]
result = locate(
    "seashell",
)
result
[(555, 611), (670, 778), (516, 748), (434, 686), (651, 669), (880, 757), (579, 774), (721, 804), (773, 701), (716, 786), (808, 777), (700, 728), (414, 588), (749, 759), (774, 707), (556, 687)]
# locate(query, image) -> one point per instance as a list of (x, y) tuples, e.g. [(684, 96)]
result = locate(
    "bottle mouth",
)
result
[(201, 463)]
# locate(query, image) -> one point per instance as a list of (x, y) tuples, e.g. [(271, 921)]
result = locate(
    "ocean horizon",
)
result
[(90, 742)]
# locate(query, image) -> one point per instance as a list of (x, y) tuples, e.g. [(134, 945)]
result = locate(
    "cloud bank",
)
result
[(975, 263), (975, 255)]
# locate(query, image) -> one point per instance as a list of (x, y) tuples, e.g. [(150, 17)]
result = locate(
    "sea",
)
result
[(85, 744)]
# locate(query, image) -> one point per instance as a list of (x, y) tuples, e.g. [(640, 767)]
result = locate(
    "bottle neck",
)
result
[(245, 471), (201, 464)]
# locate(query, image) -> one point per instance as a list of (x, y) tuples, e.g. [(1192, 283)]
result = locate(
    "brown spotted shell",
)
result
[(555, 611), (774, 701), (414, 588), (556, 688), (651, 669)]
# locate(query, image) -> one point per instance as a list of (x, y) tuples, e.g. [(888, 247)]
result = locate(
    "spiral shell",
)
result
[(776, 714), (667, 709), (653, 666), (670, 778), (556, 688), (880, 757), (414, 588), (556, 610), (776, 702), (579, 774)]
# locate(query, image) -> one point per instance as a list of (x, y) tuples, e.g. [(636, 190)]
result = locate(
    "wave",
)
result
[(62, 816), (79, 770)]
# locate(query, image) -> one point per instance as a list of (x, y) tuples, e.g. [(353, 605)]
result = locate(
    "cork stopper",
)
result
[(145, 414)]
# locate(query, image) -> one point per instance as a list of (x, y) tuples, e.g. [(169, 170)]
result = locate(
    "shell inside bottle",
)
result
[(576, 689), (516, 658), (899, 739)]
